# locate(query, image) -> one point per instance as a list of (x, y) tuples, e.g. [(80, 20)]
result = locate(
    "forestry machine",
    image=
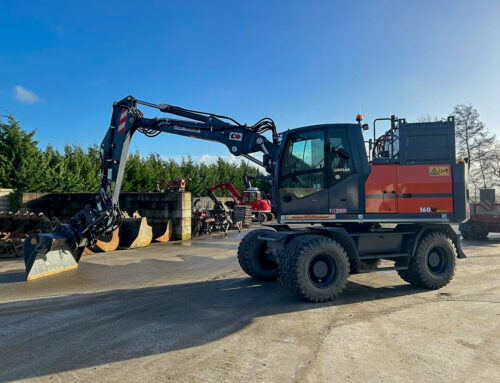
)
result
[(252, 196), (395, 204)]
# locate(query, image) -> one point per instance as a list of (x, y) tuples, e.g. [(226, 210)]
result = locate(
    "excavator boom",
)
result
[(47, 254), (238, 199)]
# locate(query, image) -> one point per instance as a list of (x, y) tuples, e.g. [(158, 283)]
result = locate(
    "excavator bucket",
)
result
[(107, 242), (50, 253), (135, 232), (162, 229)]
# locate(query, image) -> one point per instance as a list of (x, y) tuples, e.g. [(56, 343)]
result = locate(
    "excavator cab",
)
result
[(321, 170), (251, 195), (412, 174)]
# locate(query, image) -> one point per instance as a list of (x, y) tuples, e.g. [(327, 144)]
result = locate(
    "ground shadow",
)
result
[(12, 276), (81, 330), (487, 242)]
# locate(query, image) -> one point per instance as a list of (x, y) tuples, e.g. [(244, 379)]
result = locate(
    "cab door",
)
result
[(342, 176), (303, 185)]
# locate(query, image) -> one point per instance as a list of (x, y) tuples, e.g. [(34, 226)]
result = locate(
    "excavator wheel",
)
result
[(253, 258), (433, 265), (314, 268)]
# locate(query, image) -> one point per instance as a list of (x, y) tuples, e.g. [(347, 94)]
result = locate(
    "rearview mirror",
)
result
[(365, 127)]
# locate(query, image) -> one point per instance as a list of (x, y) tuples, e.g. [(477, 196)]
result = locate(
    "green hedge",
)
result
[(25, 167)]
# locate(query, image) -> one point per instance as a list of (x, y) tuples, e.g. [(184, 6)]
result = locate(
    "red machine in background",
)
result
[(178, 184), (252, 196), (484, 217)]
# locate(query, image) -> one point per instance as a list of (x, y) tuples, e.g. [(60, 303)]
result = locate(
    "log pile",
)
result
[(15, 227)]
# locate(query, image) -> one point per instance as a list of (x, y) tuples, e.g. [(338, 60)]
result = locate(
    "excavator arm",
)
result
[(238, 199), (127, 119), (46, 254)]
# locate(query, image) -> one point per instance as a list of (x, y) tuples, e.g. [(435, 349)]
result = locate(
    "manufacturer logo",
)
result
[(426, 209), (235, 136), (439, 171), (338, 211), (185, 129)]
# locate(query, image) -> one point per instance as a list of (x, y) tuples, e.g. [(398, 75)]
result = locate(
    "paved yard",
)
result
[(186, 313)]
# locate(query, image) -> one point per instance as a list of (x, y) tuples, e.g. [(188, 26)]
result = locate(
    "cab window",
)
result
[(303, 164), (341, 161)]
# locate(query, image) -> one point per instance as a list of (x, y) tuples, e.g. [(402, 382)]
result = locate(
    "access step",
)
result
[(380, 256), (383, 269)]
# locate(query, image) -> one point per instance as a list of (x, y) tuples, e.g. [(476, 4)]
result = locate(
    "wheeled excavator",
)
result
[(353, 209)]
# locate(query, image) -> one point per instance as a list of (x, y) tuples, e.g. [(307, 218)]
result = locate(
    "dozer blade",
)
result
[(50, 253)]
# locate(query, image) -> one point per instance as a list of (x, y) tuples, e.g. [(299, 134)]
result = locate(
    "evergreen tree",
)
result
[(21, 162)]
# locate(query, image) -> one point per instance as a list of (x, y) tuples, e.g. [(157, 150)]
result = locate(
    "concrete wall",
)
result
[(176, 206), (4, 199)]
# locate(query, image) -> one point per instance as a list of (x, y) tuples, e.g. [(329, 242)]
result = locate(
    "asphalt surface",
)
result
[(187, 313)]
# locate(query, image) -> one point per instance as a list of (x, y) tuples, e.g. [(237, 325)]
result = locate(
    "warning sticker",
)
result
[(439, 171)]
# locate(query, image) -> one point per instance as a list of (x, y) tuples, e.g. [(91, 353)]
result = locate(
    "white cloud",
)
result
[(24, 95)]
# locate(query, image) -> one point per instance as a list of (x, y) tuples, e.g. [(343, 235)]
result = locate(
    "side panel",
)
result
[(381, 189), (425, 188), (427, 142)]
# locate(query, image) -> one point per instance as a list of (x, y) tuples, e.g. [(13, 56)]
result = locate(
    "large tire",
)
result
[(479, 230), (253, 258), (433, 264), (314, 268), (465, 234)]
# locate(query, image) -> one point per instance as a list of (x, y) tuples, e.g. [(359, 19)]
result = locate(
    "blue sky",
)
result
[(63, 63)]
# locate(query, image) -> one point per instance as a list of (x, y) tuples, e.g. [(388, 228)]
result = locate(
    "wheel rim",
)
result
[(322, 271), (437, 261)]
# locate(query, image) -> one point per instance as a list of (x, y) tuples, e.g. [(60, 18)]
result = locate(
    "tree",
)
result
[(27, 168), (21, 162), (471, 133), (495, 164)]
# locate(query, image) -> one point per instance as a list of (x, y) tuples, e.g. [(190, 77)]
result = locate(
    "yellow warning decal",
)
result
[(439, 171)]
